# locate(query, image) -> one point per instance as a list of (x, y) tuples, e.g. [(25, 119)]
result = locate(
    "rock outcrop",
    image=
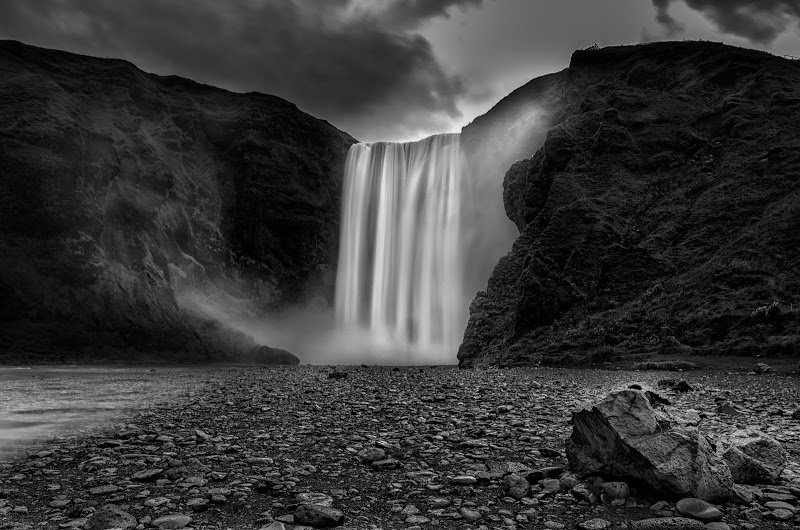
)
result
[(623, 436), (753, 457), (660, 211), (124, 193)]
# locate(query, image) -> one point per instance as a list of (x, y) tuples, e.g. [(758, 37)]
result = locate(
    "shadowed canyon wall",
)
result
[(661, 214), (124, 193)]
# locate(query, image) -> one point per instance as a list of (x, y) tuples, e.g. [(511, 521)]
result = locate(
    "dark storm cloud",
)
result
[(663, 17), (410, 12), (760, 21), (344, 60)]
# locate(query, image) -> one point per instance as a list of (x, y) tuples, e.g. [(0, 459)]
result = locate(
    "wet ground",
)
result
[(237, 448)]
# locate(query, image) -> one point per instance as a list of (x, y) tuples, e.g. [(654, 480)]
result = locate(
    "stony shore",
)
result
[(427, 447)]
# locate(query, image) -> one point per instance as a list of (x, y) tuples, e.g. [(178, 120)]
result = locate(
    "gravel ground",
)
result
[(238, 446)]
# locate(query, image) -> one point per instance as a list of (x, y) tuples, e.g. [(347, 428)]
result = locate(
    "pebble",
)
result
[(698, 509), (171, 522), (274, 525), (780, 505), (104, 490), (781, 514), (110, 516), (668, 523), (371, 454), (617, 489), (594, 524), (280, 440), (516, 486), (469, 515)]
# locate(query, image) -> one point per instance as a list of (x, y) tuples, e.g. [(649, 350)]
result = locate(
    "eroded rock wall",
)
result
[(122, 191), (663, 206)]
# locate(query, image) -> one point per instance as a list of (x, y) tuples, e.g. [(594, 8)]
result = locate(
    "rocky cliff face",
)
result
[(661, 213), (123, 193)]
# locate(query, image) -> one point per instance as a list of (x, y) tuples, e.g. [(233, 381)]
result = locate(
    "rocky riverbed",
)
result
[(379, 447)]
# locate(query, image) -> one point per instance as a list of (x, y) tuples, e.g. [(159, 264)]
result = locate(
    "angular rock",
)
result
[(753, 457), (318, 516), (622, 436)]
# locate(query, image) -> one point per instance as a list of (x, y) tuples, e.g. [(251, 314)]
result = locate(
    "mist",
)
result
[(313, 332)]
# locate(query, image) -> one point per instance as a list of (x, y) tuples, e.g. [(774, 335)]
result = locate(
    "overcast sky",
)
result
[(383, 69)]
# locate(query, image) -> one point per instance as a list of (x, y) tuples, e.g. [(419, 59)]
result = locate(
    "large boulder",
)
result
[(753, 457), (623, 436)]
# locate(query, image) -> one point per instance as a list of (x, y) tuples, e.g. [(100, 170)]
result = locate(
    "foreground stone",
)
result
[(172, 522), (623, 436), (668, 523), (110, 516), (318, 516), (753, 457), (699, 509)]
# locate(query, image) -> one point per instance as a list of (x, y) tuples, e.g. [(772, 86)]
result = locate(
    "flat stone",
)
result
[(320, 499), (387, 463), (782, 515), (668, 523), (699, 509), (780, 505), (197, 504), (104, 490), (146, 475), (155, 502), (464, 480), (171, 522)]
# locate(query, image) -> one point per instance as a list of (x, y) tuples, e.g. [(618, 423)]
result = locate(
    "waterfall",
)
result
[(400, 259)]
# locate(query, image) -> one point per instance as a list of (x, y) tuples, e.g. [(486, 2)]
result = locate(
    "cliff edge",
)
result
[(661, 213)]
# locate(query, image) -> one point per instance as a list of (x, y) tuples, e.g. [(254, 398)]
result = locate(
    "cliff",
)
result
[(127, 199), (660, 213)]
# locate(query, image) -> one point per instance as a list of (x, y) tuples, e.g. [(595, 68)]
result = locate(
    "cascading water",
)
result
[(400, 260)]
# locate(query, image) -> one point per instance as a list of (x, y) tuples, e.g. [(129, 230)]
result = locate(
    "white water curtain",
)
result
[(400, 261)]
